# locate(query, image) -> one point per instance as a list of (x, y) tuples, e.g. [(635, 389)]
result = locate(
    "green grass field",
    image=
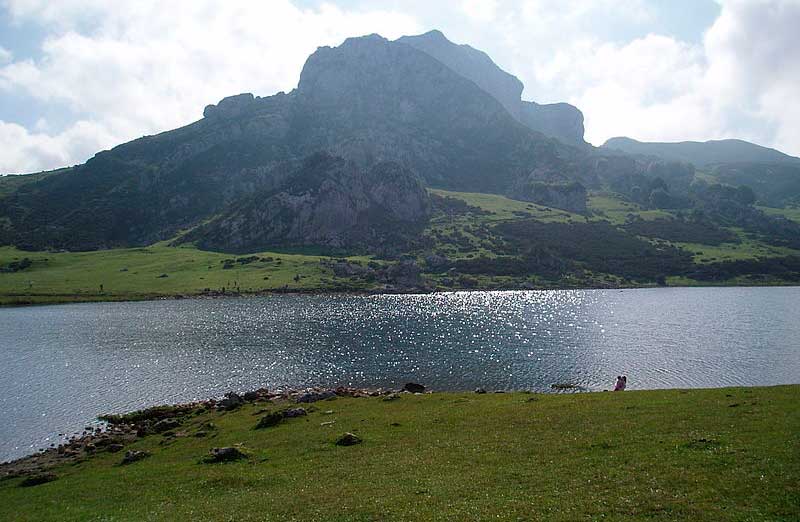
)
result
[(701, 455), (792, 213), (136, 273)]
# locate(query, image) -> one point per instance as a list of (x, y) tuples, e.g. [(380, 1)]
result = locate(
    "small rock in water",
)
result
[(132, 456), (348, 439), (270, 419), (39, 478), (225, 455), (413, 387)]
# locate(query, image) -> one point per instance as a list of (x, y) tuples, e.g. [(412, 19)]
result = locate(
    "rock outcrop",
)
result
[(327, 202), (557, 120)]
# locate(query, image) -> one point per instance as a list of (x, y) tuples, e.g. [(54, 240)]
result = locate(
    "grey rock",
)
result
[(230, 401), (269, 420), (166, 425), (38, 478), (413, 387), (132, 456), (227, 454), (348, 439), (295, 412), (314, 396)]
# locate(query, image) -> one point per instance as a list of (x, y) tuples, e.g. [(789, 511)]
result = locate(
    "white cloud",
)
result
[(5, 55), (480, 10), (739, 81), (148, 66), (24, 151)]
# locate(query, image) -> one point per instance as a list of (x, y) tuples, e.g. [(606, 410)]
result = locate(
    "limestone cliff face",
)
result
[(330, 202), (474, 65), (558, 120), (372, 100)]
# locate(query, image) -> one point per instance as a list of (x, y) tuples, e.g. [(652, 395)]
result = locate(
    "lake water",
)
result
[(61, 366)]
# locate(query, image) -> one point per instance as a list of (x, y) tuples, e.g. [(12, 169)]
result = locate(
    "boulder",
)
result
[(295, 412), (314, 396), (231, 401), (348, 439), (228, 454), (269, 420), (38, 478), (413, 387), (132, 456), (166, 425)]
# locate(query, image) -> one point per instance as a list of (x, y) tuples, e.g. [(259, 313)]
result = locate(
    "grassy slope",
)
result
[(78, 275), (701, 455)]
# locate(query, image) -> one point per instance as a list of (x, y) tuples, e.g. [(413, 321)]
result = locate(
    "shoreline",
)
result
[(26, 300), (120, 429)]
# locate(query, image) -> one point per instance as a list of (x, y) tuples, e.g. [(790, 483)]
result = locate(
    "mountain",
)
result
[(369, 102), (702, 154), (558, 120)]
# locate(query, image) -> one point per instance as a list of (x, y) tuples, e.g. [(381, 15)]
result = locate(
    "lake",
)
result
[(61, 366)]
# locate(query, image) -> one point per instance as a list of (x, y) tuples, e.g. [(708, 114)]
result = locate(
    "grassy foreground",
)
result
[(715, 455)]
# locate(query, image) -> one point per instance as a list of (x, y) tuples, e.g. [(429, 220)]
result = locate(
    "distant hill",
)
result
[(702, 154)]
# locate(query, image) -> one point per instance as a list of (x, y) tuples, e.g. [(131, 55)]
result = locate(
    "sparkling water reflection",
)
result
[(60, 366)]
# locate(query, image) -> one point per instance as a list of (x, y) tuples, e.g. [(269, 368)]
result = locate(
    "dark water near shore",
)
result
[(60, 366)]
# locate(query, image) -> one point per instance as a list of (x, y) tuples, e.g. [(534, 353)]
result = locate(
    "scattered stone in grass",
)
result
[(166, 425), (132, 456), (114, 448), (162, 276), (269, 420), (480, 390), (200, 434), (702, 444), (38, 478), (261, 411), (327, 412), (395, 424), (329, 423), (391, 397), (295, 412), (228, 454), (413, 387), (734, 405), (348, 439)]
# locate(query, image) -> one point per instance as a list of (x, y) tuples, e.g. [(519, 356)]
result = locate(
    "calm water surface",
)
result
[(61, 366)]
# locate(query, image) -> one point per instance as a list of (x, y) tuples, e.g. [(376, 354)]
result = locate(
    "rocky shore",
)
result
[(120, 430)]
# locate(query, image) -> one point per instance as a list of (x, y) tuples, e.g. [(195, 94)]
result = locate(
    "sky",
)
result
[(80, 76)]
